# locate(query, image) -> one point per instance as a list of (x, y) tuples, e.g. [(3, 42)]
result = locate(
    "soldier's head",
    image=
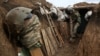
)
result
[(18, 15), (70, 9)]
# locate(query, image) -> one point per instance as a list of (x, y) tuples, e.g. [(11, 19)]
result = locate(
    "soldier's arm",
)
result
[(78, 17)]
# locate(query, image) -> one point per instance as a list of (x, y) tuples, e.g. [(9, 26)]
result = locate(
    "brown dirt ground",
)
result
[(69, 49)]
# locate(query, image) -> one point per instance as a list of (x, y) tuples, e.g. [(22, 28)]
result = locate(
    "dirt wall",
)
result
[(90, 43), (6, 47)]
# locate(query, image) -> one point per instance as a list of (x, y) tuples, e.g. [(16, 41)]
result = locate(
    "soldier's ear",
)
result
[(32, 11)]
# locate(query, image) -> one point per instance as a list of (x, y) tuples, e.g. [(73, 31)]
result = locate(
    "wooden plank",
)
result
[(80, 7), (58, 36), (51, 47), (54, 30), (51, 25), (36, 52), (52, 39), (43, 48), (46, 41)]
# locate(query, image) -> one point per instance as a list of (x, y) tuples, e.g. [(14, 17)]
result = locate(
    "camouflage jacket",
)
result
[(76, 16), (30, 33)]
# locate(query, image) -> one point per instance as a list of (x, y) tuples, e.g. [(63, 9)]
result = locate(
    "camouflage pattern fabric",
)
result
[(76, 16), (30, 34)]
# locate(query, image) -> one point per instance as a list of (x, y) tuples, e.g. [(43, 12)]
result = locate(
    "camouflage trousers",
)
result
[(74, 29)]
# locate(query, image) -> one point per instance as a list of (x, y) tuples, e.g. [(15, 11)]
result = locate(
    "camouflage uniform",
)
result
[(26, 24), (25, 27), (75, 16), (30, 34)]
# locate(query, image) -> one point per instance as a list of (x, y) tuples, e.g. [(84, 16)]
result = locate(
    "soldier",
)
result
[(88, 14), (42, 10), (57, 14), (65, 16), (27, 26), (53, 12), (76, 20)]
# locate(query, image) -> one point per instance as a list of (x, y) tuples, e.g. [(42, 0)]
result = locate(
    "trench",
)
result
[(83, 24), (69, 49)]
